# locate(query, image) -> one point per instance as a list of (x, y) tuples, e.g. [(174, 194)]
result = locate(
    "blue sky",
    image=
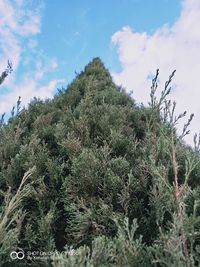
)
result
[(76, 31), (48, 41), (71, 33)]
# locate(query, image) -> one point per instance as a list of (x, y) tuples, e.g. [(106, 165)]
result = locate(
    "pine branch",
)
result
[(12, 204), (7, 71)]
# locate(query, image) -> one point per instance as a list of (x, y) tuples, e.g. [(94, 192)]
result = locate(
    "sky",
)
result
[(49, 41)]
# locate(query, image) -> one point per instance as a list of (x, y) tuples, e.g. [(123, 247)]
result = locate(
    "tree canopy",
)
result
[(98, 180)]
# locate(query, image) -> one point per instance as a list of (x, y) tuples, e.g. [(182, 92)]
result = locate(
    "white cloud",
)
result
[(20, 22), (53, 64), (176, 47), (43, 68), (28, 90), (16, 22)]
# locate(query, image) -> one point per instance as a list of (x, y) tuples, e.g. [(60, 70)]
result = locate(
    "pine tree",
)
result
[(113, 183)]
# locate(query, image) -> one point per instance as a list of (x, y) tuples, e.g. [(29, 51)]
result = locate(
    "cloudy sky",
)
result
[(47, 41)]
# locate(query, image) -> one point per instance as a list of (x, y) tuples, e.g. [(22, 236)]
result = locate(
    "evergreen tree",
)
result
[(92, 175)]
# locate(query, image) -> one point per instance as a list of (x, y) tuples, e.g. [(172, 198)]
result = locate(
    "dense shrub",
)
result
[(92, 175)]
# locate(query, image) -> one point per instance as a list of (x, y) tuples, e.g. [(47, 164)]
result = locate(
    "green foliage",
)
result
[(5, 73), (123, 250), (12, 216), (113, 184)]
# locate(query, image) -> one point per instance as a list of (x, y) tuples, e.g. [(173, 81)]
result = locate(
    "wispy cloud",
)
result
[(17, 22), (45, 67), (169, 48), (20, 23), (28, 90)]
